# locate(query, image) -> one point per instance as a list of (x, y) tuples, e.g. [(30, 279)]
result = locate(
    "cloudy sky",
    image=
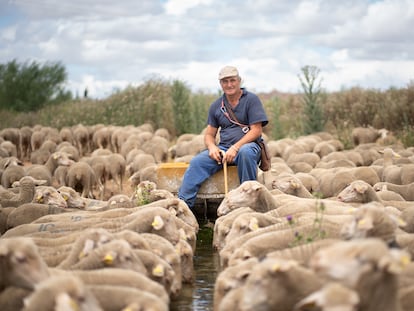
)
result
[(106, 45)]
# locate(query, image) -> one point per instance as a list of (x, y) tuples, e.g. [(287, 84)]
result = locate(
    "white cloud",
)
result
[(108, 44)]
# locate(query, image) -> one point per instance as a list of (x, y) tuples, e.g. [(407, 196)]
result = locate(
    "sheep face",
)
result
[(20, 263), (245, 195)]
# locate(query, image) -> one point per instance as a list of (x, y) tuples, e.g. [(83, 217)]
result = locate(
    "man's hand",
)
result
[(216, 154)]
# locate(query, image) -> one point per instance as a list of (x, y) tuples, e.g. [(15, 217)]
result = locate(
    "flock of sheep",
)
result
[(325, 229)]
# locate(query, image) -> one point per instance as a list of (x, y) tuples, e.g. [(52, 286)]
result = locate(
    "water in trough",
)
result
[(199, 295)]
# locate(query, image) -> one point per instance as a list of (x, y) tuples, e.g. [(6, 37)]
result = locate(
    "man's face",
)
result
[(230, 85)]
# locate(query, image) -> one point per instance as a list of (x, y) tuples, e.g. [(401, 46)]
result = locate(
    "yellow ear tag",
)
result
[(82, 254), (157, 223), (108, 259), (275, 267), (158, 271), (405, 260)]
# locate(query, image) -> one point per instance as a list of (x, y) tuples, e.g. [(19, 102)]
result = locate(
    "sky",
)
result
[(107, 45)]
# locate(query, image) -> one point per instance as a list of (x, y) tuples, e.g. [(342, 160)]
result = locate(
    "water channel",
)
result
[(199, 295)]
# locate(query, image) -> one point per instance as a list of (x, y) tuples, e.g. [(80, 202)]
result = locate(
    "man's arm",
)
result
[(210, 141)]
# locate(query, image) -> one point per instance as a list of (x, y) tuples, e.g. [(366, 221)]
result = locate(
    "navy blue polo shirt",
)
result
[(249, 110)]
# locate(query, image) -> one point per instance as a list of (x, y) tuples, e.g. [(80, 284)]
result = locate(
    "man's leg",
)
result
[(246, 161), (201, 167)]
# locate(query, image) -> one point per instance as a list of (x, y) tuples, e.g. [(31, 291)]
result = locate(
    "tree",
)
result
[(30, 86), (313, 114), (183, 112)]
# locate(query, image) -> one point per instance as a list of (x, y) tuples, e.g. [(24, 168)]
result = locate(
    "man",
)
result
[(240, 116)]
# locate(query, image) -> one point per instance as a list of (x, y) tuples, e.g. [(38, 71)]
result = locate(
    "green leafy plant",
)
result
[(316, 233), (143, 193)]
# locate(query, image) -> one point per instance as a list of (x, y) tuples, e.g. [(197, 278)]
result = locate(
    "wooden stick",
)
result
[(226, 187)]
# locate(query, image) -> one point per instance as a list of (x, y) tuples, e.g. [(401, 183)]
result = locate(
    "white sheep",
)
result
[(364, 135), (26, 192), (406, 191), (332, 296), (61, 293), (278, 285), (367, 266), (20, 263)]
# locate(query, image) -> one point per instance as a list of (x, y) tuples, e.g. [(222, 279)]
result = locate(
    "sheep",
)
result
[(13, 171), (47, 170), (332, 296), (160, 271), (290, 184), (406, 191), (61, 293), (231, 278), (307, 157), (72, 197), (158, 147), (145, 219), (82, 178), (9, 147), (407, 215), (133, 141), (20, 263), (262, 244), (26, 192), (120, 135), (332, 181), (360, 191), (164, 248), (83, 245), (49, 195), (365, 135), (250, 193), (115, 253), (82, 141), (122, 277), (147, 173), (367, 266), (372, 220), (101, 138), (116, 168), (28, 212), (26, 134), (70, 150), (114, 298), (248, 222), (12, 298), (139, 161), (120, 201), (222, 226), (276, 284), (4, 214), (12, 135)]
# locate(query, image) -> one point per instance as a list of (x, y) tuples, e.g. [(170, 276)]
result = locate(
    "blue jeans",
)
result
[(202, 167)]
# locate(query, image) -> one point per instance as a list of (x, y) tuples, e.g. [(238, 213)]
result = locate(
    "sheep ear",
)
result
[(282, 266), (87, 247), (365, 224), (253, 224), (395, 262), (398, 220), (361, 188), (157, 223)]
